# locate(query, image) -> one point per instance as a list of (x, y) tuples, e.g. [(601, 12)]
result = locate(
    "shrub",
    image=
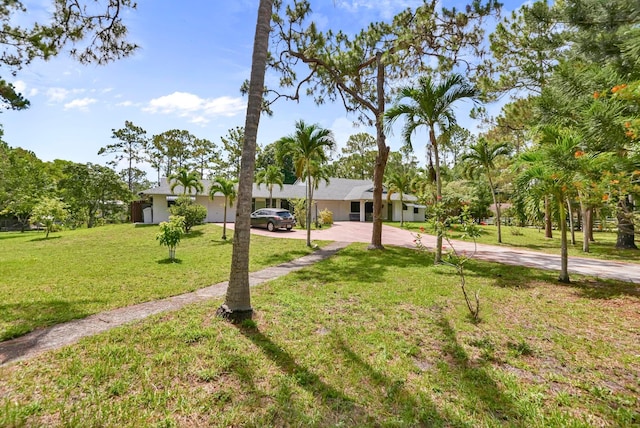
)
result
[(48, 212), (325, 217), (171, 233), (300, 211), (192, 213)]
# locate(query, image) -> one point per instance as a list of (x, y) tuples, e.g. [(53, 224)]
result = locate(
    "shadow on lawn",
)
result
[(354, 264), (474, 381), (337, 401), (23, 318), (44, 238), (602, 289)]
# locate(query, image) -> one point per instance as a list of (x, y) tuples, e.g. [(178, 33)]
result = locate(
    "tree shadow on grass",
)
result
[(604, 289), (44, 238), (394, 394), (169, 261), (355, 264), (474, 381), (23, 318), (193, 233), (345, 406), (507, 276)]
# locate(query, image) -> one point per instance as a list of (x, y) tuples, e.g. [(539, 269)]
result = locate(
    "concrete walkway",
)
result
[(70, 332), (361, 232)]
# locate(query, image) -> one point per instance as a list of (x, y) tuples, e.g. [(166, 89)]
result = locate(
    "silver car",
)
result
[(272, 219)]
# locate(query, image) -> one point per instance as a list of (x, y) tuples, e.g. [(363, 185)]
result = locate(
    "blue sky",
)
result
[(193, 58)]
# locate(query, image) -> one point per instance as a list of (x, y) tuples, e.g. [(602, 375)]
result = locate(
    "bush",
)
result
[(300, 211), (171, 233), (193, 213), (325, 217)]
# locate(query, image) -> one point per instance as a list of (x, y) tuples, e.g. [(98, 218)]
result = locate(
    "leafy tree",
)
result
[(48, 212), (129, 148), (172, 150), (482, 157), (232, 145), (270, 177), (355, 69), (548, 172), (308, 145), (139, 181), (189, 180), (237, 304), (430, 104), (401, 184), (275, 154), (358, 157), (23, 183), (92, 191), (171, 233), (100, 26), (228, 189), (205, 155)]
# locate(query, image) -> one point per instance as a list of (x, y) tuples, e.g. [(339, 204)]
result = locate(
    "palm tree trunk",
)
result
[(548, 226), (401, 211), (308, 213), (224, 221), (573, 229), (495, 203), (237, 304), (564, 255), (439, 219)]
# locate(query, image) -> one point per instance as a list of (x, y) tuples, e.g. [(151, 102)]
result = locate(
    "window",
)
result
[(404, 207), (355, 207), (415, 210)]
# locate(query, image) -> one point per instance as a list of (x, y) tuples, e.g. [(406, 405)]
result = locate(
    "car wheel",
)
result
[(271, 227), (289, 228)]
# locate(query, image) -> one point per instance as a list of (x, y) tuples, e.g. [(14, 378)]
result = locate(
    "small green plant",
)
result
[(515, 231), (171, 233), (192, 213), (521, 348), (457, 260)]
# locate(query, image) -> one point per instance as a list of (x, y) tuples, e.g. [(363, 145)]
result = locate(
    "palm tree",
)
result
[(400, 183), (549, 171), (270, 176), (189, 180), (431, 105), (237, 302), (482, 156), (307, 148), (228, 189)]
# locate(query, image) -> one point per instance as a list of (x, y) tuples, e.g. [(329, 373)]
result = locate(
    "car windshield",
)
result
[(284, 214)]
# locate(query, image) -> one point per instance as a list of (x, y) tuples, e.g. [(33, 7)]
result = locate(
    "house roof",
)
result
[(336, 189)]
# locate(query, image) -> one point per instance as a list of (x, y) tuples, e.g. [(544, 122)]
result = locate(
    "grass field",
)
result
[(379, 339), (533, 239), (80, 272)]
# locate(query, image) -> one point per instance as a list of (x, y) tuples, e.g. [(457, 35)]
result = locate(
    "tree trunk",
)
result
[(548, 226), (381, 161), (564, 255), (224, 221), (401, 212), (440, 219), (585, 226), (237, 305), (308, 213), (495, 203), (626, 229), (591, 216), (573, 231)]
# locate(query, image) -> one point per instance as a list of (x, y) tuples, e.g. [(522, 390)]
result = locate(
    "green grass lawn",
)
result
[(80, 272), (533, 239), (361, 339)]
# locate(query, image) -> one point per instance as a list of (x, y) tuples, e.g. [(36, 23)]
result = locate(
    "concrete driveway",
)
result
[(361, 232)]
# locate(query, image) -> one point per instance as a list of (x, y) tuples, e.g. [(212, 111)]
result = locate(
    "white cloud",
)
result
[(80, 103), (57, 94), (125, 104), (198, 110), (20, 86)]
